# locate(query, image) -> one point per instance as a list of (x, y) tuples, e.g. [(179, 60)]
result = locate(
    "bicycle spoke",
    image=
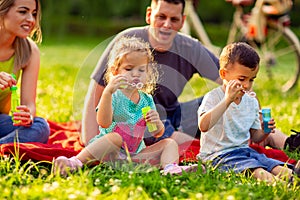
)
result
[(273, 39)]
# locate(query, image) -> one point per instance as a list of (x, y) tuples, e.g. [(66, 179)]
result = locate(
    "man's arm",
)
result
[(219, 81), (90, 126)]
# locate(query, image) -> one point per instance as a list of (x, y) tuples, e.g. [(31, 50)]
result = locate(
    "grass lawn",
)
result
[(64, 77)]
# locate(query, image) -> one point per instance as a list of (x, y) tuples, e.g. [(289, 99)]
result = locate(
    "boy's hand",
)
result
[(271, 125), (233, 89)]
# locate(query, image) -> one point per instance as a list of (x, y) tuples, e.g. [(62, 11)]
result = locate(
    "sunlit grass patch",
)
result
[(63, 80)]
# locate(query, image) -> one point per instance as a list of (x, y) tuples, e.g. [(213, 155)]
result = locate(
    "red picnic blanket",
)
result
[(64, 140)]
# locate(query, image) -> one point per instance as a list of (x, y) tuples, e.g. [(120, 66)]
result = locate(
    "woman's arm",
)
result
[(27, 108), (29, 80)]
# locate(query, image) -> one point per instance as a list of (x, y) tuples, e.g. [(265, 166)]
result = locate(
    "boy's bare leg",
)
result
[(282, 172), (263, 175)]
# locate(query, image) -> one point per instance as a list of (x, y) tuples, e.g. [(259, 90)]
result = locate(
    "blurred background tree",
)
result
[(106, 17)]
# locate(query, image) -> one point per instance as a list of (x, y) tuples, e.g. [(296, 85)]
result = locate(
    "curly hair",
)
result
[(124, 46)]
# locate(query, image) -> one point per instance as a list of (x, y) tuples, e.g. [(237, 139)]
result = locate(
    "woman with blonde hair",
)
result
[(20, 57)]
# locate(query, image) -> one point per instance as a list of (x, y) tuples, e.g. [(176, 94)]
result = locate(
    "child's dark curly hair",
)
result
[(241, 53)]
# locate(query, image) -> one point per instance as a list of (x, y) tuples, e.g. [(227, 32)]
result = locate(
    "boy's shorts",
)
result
[(242, 159)]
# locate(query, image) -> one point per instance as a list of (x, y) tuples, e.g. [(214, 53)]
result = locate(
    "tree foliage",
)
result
[(95, 17)]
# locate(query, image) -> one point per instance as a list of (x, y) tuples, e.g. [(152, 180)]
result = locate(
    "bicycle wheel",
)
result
[(280, 57)]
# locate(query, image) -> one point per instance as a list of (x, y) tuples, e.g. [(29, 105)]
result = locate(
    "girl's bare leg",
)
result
[(163, 152), (181, 137), (101, 148), (105, 146)]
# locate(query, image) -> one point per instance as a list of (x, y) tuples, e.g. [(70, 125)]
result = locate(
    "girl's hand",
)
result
[(23, 117), (153, 117), (117, 82), (6, 80), (233, 89)]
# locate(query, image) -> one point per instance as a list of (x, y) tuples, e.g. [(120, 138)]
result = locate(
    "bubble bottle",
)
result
[(266, 114), (15, 100), (151, 126)]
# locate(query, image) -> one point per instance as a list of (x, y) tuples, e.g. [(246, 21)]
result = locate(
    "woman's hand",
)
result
[(6, 80), (23, 117)]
